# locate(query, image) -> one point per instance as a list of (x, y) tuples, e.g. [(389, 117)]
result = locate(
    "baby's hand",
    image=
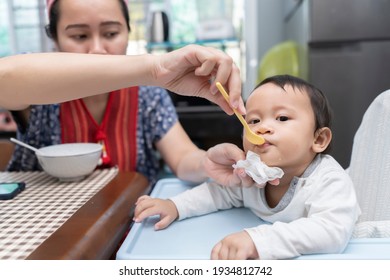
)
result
[(236, 246), (147, 206)]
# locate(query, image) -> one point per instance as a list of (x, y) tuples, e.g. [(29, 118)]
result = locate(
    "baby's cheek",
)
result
[(246, 145)]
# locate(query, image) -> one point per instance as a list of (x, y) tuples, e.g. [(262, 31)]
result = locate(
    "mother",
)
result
[(134, 124)]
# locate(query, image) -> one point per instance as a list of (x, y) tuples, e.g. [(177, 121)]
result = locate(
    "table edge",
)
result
[(105, 226)]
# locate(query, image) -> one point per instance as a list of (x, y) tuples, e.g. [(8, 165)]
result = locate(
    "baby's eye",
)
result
[(282, 118), (254, 121)]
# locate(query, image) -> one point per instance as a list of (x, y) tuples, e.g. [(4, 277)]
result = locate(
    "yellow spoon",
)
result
[(249, 134)]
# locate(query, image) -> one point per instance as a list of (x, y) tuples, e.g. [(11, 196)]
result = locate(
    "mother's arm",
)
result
[(44, 78)]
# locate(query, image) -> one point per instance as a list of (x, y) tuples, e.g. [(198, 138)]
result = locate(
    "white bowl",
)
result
[(70, 162)]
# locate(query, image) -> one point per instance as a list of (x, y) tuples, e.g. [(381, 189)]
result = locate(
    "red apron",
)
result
[(117, 131)]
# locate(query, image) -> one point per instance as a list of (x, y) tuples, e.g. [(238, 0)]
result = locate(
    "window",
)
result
[(220, 18), (22, 27)]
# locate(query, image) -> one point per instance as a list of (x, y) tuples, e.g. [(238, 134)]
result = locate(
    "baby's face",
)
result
[(285, 119)]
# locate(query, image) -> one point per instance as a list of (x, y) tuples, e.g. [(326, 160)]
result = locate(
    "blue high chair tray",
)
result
[(195, 237), (191, 238)]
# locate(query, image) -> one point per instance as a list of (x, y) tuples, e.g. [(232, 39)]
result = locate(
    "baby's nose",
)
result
[(263, 128)]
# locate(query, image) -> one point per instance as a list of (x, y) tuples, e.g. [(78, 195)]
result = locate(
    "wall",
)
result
[(263, 28)]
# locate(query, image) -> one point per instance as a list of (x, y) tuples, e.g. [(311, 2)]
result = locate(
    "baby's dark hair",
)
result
[(319, 102), (54, 16)]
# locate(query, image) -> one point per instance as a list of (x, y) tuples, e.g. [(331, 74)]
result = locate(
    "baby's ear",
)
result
[(322, 138)]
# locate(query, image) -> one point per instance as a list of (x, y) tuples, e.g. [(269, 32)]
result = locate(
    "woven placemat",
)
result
[(32, 216)]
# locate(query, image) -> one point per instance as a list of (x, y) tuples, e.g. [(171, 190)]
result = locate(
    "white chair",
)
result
[(370, 169)]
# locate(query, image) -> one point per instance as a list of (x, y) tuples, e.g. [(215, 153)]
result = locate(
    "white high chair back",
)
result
[(370, 169)]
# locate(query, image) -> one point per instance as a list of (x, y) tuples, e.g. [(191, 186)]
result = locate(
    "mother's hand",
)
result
[(192, 70), (218, 166)]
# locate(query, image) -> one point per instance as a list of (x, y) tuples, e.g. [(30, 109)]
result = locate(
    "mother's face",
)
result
[(91, 26)]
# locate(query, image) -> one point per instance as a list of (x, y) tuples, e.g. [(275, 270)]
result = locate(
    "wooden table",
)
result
[(95, 230)]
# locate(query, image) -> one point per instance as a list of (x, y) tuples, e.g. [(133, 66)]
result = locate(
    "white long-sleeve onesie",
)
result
[(316, 215)]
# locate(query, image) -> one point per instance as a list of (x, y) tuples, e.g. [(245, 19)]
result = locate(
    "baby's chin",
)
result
[(271, 161), (267, 158)]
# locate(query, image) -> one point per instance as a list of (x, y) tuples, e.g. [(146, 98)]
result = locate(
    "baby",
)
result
[(312, 209)]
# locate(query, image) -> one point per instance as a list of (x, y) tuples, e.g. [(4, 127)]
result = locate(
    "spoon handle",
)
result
[(24, 145), (226, 96)]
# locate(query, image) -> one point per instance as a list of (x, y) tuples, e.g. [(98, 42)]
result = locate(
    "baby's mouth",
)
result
[(266, 143), (264, 146)]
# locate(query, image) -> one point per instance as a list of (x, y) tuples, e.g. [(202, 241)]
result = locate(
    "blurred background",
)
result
[(341, 46)]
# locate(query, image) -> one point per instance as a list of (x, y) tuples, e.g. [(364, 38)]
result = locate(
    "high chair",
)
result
[(370, 169)]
